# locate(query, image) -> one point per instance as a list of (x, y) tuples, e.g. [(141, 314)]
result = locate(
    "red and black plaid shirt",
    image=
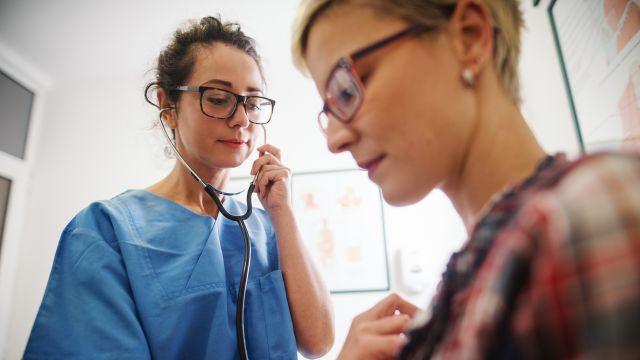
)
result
[(551, 271)]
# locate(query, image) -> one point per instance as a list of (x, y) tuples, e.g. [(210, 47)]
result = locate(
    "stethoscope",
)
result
[(213, 193)]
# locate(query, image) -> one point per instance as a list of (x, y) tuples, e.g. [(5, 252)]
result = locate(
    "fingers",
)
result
[(394, 324), (375, 339), (405, 307), (263, 160), (270, 168), (388, 306), (270, 174), (268, 148), (373, 347), (269, 154), (391, 345)]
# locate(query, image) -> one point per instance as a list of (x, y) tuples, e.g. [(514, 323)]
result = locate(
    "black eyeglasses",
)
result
[(222, 104), (344, 91)]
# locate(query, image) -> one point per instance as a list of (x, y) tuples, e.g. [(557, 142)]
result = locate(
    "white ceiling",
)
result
[(87, 38)]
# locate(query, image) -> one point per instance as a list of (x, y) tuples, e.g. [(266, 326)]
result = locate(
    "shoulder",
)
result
[(101, 217), (600, 174), (583, 236), (593, 196), (128, 211), (598, 195), (94, 226)]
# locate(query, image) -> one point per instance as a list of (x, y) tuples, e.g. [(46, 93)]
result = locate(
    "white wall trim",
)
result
[(18, 171)]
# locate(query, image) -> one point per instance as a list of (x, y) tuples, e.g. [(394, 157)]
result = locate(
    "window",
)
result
[(15, 112)]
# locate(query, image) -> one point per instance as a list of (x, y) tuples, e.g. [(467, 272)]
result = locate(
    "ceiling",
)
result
[(90, 38)]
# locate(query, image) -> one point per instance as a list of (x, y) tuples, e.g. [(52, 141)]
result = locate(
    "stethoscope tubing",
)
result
[(246, 264)]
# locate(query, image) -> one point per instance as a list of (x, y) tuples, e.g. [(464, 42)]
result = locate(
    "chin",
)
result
[(229, 164), (400, 197)]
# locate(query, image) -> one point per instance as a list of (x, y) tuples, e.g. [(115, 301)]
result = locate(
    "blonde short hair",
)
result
[(506, 17)]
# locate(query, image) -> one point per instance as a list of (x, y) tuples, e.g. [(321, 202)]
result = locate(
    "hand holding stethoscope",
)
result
[(272, 182)]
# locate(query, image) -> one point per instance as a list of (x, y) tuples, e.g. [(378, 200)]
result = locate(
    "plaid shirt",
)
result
[(551, 271)]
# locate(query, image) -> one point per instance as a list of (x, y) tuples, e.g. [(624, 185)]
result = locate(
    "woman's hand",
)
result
[(272, 185), (378, 332)]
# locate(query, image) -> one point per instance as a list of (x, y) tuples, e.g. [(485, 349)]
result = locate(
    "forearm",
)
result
[(308, 297)]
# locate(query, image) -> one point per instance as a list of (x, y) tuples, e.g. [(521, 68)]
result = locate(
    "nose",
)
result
[(340, 136), (240, 117)]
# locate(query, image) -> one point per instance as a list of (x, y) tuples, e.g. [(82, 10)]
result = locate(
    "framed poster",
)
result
[(341, 220), (598, 43)]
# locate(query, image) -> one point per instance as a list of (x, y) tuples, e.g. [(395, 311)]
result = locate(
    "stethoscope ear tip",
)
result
[(163, 110)]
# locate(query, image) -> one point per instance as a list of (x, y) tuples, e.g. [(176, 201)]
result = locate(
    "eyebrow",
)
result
[(229, 84)]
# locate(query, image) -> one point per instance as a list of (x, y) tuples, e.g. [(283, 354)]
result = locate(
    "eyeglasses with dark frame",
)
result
[(344, 91), (222, 104)]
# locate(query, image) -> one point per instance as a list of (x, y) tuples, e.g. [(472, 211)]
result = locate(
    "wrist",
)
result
[(279, 211)]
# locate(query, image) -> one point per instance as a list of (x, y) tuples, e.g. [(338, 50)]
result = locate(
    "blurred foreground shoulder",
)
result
[(586, 275)]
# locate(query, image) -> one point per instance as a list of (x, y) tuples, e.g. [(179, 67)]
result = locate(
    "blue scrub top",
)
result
[(139, 277)]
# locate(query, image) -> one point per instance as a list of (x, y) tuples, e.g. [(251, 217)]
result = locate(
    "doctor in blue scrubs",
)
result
[(154, 273)]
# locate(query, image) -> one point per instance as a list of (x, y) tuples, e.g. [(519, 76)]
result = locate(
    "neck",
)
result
[(179, 186), (502, 152)]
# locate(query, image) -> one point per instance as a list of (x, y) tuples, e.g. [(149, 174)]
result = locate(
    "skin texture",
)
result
[(200, 140), (429, 128)]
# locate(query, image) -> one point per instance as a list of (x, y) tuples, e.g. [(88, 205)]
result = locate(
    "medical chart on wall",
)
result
[(341, 220), (599, 45)]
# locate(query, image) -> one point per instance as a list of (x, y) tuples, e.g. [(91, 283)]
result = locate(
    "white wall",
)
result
[(95, 141)]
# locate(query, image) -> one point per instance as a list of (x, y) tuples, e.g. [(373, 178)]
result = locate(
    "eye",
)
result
[(346, 95), (217, 100), (364, 78), (256, 104)]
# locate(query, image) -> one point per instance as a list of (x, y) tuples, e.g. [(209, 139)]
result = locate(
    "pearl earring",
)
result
[(468, 78)]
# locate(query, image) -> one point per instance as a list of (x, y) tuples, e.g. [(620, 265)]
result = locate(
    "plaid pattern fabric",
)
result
[(551, 271)]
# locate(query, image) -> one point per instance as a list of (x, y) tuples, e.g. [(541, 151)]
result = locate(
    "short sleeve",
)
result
[(88, 310)]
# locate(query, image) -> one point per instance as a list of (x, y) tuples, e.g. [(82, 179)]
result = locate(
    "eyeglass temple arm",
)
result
[(371, 48), (188, 88)]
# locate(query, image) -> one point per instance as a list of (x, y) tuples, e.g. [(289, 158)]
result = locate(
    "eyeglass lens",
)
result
[(343, 93), (222, 104)]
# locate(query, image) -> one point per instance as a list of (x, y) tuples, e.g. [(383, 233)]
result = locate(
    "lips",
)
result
[(234, 143), (371, 165)]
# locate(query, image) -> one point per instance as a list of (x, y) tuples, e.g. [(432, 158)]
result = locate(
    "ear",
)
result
[(169, 116), (472, 30)]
